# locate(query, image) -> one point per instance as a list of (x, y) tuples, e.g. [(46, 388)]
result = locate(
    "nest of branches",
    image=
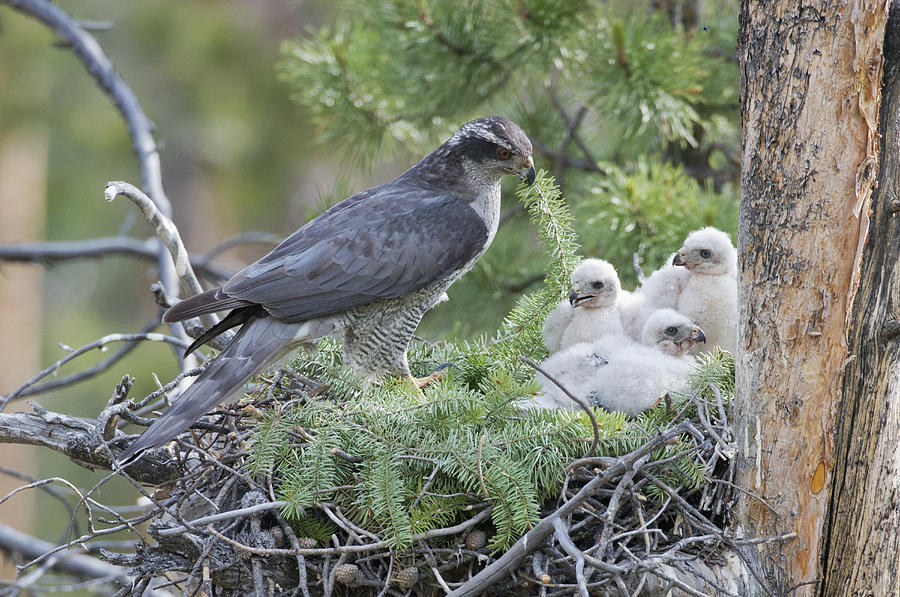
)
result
[(614, 525)]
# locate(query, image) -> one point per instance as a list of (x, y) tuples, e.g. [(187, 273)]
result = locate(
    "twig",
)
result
[(387, 576), (42, 482), (47, 488), (90, 372), (484, 491), (572, 125), (554, 98), (613, 507), (562, 536), (346, 456), (444, 532), (569, 161), (95, 345), (726, 449), (167, 233), (157, 393), (245, 238), (49, 253), (351, 532), (302, 582), (576, 399), (52, 550), (536, 536), (349, 523), (330, 578), (212, 518), (71, 562), (428, 482), (429, 558)]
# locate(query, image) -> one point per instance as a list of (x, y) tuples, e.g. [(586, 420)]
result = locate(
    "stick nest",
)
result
[(622, 515)]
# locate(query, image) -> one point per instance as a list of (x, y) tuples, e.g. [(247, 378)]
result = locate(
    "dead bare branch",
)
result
[(71, 561), (167, 233), (49, 253), (79, 439), (577, 399), (98, 344)]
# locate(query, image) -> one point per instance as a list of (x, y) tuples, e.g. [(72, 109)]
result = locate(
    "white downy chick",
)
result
[(672, 333), (709, 298), (595, 292), (659, 291), (619, 374), (555, 325)]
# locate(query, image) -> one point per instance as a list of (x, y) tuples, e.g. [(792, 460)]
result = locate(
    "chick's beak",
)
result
[(528, 173), (678, 259), (698, 335), (576, 299), (573, 297)]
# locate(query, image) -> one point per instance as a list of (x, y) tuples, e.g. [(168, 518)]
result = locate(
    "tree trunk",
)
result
[(810, 88), (862, 530), (23, 176)]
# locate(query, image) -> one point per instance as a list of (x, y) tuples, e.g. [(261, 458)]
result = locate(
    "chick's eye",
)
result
[(705, 253), (671, 330), (597, 285), (503, 153)]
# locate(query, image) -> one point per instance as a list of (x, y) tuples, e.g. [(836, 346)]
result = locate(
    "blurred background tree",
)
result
[(631, 105)]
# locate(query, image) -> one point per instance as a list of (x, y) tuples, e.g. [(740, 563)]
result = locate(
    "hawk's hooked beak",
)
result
[(575, 299), (678, 260), (527, 173), (698, 335)]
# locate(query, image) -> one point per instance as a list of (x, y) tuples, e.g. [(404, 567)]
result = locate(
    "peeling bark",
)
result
[(810, 87), (862, 537)]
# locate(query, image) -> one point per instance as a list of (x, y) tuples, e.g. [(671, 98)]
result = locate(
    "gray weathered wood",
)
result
[(862, 538)]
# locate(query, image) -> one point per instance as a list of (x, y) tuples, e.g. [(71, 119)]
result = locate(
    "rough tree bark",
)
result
[(862, 537), (810, 87)]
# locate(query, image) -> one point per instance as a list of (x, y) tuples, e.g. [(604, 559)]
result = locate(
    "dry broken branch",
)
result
[(27, 388), (80, 440), (49, 253), (167, 233), (71, 561)]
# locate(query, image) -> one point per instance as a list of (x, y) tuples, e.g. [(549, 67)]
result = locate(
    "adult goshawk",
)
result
[(370, 267)]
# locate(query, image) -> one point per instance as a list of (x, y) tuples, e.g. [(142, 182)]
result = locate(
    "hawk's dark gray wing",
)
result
[(258, 342), (385, 243)]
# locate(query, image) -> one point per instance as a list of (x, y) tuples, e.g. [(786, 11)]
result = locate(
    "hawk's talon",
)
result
[(421, 382)]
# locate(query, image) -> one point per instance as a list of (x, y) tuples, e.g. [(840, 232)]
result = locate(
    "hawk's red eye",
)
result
[(503, 153)]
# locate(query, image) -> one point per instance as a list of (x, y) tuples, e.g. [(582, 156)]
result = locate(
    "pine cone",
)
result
[(307, 543), (407, 578), (476, 540), (346, 574)]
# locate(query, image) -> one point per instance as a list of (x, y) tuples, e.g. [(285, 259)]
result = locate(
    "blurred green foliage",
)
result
[(652, 102)]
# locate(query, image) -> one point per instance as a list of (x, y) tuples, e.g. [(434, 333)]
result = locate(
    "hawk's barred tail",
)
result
[(261, 341)]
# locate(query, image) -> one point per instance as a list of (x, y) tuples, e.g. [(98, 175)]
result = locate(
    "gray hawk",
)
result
[(369, 267)]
